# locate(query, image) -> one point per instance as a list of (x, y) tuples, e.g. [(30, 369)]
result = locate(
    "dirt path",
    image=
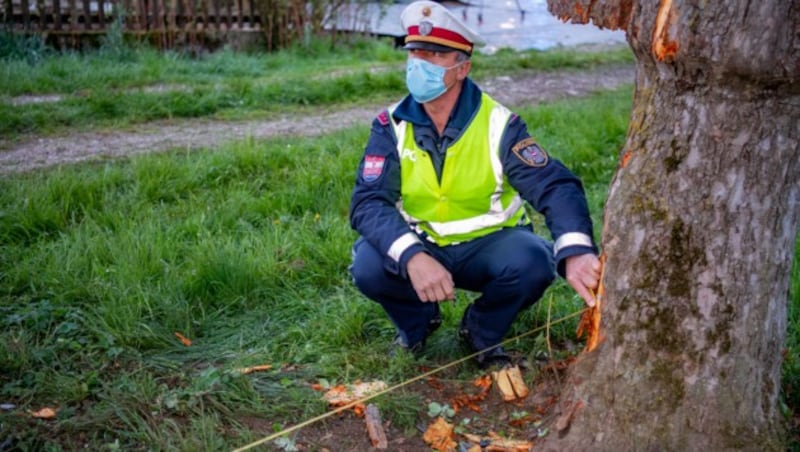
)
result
[(32, 153)]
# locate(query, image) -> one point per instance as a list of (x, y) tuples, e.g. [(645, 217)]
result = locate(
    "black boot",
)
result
[(491, 357), (399, 344)]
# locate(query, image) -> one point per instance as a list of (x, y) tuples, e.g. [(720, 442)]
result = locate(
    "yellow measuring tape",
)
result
[(397, 386)]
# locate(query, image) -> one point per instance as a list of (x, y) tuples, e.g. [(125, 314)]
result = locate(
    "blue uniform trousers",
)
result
[(511, 268)]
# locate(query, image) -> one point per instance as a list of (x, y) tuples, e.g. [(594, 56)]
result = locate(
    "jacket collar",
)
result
[(467, 104)]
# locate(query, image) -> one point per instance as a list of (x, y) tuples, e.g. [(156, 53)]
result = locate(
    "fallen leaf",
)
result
[(251, 369), (184, 340), (342, 395), (440, 436), (434, 383), (359, 409), (484, 381), (522, 421), (466, 400), (44, 413)]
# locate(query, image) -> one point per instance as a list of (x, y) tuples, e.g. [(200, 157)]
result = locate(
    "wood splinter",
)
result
[(375, 428), (510, 383)]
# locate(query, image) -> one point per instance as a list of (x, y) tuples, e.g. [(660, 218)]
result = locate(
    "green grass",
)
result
[(791, 363), (113, 90), (242, 248)]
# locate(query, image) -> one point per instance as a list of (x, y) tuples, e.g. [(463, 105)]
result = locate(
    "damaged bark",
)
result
[(699, 230)]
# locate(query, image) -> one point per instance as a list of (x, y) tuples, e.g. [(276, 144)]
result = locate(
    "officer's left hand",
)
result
[(583, 274)]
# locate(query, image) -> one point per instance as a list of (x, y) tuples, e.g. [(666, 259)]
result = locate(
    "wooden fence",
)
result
[(163, 19), (269, 24)]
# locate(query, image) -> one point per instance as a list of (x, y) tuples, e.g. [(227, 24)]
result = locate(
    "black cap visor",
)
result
[(422, 45)]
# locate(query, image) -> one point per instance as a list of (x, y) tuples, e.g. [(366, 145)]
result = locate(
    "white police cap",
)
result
[(431, 26)]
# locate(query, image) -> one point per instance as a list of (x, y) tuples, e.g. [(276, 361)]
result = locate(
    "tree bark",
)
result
[(699, 231)]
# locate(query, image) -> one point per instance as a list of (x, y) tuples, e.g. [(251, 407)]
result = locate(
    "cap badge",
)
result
[(426, 11), (425, 28)]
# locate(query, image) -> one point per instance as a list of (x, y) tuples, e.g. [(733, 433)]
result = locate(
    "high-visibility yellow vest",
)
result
[(474, 197)]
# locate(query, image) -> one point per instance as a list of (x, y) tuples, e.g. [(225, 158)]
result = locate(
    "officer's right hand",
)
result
[(430, 279), (583, 274)]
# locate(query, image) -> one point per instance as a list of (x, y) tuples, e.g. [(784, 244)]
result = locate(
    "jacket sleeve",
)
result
[(373, 211), (551, 189)]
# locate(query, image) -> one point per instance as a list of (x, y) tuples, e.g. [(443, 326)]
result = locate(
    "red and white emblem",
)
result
[(373, 167)]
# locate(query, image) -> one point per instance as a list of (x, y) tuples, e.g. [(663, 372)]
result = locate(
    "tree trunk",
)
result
[(699, 231)]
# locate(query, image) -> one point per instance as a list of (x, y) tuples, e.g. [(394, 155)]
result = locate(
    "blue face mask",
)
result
[(425, 80)]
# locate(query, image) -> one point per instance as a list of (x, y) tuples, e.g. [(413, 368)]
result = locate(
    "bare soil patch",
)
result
[(34, 152), (525, 419)]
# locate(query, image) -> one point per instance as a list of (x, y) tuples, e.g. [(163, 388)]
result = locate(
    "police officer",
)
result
[(438, 200)]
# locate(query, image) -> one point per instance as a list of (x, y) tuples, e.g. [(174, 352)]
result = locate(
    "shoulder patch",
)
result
[(373, 167), (383, 118), (530, 153)]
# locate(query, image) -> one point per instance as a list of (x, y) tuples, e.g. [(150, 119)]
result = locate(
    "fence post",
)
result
[(8, 13), (25, 14), (141, 16), (41, 9), (101, 14), (240, 13), (57, 14), (87, 15), (216, 14), (126, 12), (190, 22)]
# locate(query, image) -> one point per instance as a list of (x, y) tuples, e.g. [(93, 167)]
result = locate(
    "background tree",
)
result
[(699, 231)]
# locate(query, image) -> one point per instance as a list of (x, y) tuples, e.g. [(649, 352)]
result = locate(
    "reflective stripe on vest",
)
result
[(474, 198)]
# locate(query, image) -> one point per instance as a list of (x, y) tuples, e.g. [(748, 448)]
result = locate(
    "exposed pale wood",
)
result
[(514, 376), (510, 384)]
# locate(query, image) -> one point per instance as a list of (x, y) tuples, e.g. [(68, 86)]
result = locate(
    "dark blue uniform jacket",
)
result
[(551, 189)]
